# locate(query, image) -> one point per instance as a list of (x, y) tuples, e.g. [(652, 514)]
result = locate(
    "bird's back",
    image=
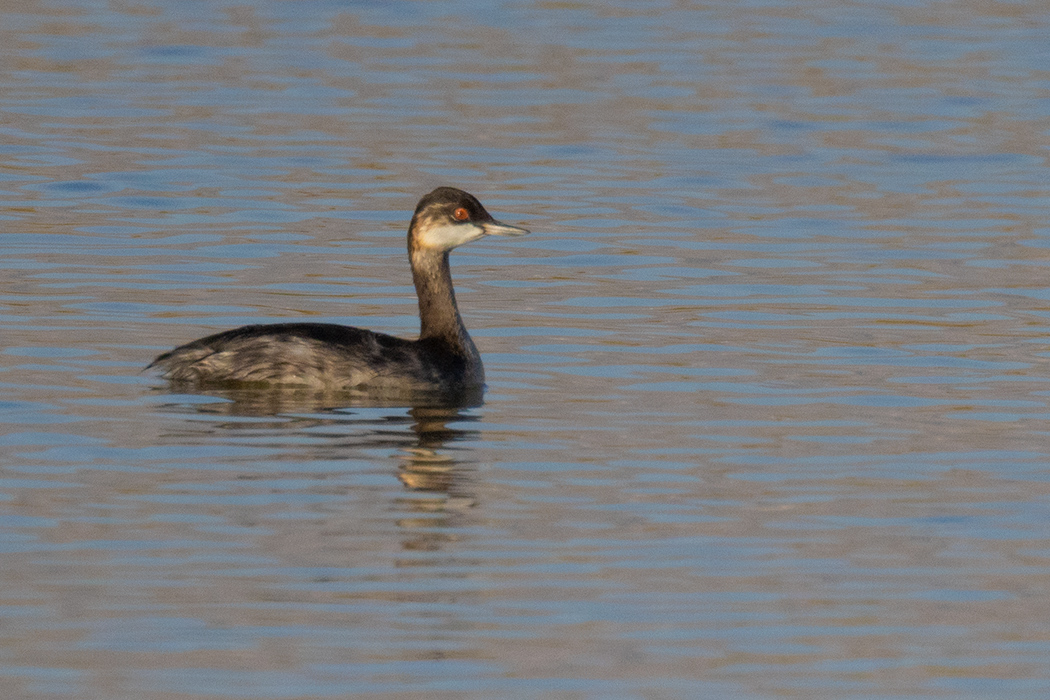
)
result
[(311, 354)]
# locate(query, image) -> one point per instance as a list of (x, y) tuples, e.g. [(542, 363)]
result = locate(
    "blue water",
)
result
[(767, 412)]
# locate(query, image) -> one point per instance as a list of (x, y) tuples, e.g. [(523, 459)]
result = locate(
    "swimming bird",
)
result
[(331, 356)]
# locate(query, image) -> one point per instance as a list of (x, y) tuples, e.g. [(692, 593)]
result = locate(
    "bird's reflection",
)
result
[(440, 487), (345, 532), (301, 425), (262, 401)]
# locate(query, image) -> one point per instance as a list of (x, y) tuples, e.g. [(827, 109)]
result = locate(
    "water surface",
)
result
[(767, 411)]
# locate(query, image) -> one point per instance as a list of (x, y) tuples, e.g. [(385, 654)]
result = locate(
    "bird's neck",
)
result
[(438, 314)]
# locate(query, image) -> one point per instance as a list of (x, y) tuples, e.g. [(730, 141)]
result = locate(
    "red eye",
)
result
[(461, 214)]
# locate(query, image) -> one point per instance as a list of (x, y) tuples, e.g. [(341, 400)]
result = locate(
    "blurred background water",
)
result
[(767, 411)]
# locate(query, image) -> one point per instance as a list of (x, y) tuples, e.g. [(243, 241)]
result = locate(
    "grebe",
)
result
[(331, 356)]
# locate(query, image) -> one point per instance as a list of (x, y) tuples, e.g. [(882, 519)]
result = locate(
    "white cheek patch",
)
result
[(448, 236)]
